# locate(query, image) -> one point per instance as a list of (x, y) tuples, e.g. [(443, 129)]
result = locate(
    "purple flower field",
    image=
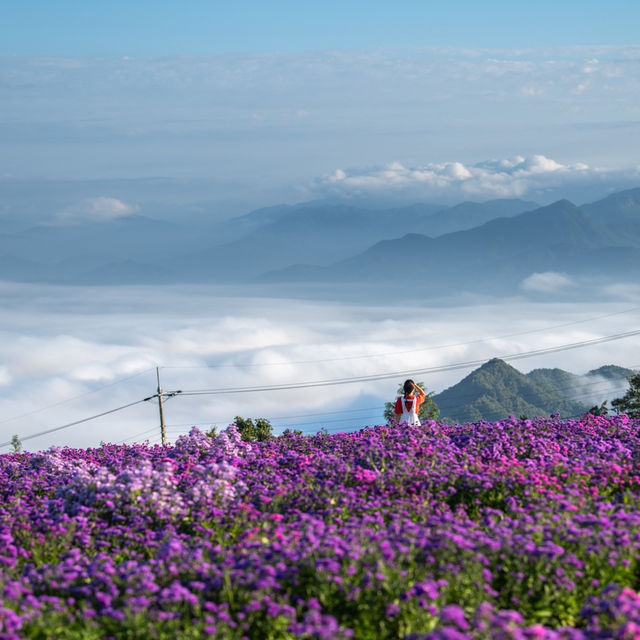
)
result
[(514, 529)]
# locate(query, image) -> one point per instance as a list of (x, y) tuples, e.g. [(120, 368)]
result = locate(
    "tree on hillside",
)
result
[(16, 444), (428, 411), (212, 433), (251, 431), (599, 410), (630, 402), (289, 433)]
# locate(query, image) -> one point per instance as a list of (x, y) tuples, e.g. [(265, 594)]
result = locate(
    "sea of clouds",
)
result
[(68, 353)]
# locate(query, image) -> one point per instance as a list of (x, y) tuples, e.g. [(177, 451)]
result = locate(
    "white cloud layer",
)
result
[(519, 176), (547, 282), (70, 353), (99, 209), (281, 119)]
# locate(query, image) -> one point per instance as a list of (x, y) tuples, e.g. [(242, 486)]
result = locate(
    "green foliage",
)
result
[(611, 372), (289, 433), (630, 402), (16, 444), (428, 411), (251, 431), (497, 390), (212, 433), (599, 410)]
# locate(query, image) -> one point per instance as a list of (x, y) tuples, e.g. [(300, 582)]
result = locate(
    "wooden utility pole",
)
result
[(163, 430), (160, 394)]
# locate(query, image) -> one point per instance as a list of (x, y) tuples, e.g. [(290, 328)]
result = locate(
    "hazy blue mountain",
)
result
[(18, 269), (496, 255), (554, 378), (456, 253), (123, 238), (279, 236), (320, 232), (430, 219), (488, 247), (71, 253), (497, 390), (467, 215), (206, 250), (256, 219), (25, 203), (127, 272), (616, 209), (620, 212)]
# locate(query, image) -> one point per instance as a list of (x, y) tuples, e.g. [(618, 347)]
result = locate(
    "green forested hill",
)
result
[(612, 371), (497, 390)]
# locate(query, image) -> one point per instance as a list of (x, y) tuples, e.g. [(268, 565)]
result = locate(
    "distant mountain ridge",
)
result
[(497, 390), (490, 247), (498, 255), (138, 248)]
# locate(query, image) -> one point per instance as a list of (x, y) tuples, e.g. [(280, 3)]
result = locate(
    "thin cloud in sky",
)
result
[(547, 282), (513, 177), (99, 209), (279, 119)]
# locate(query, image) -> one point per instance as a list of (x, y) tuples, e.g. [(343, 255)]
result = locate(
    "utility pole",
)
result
[(163, 430), (160, 394)]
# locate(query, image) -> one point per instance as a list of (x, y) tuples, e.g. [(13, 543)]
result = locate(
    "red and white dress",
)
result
[(407, 409)]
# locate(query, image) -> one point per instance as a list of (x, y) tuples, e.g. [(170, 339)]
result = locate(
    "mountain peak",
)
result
[(496, 364), (497, 390)]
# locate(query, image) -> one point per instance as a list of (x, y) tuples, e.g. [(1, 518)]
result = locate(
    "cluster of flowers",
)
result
[(514, 529)]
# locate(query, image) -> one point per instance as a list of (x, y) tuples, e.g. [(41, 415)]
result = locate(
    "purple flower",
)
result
[(454, 615)]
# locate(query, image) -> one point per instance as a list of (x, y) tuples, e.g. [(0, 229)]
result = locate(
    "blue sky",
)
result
[(287, 101), (151, 28)]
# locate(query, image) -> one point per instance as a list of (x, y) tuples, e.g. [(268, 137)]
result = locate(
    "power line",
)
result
[(249, 365), (303, 415), (154, 430), (423, 371), (82, 395), (340, 381), (176, 429), (419, 350), (585, 390), (306, 424), (584, 387), (72, 424)]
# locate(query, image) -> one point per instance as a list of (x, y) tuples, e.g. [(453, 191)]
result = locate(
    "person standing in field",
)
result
[(408, 406)]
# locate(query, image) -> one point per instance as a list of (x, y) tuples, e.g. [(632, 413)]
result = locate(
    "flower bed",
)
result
[(514, 529)]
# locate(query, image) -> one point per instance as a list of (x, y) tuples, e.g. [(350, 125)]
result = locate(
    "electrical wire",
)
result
[(585, 389), (341, 381), (73, 424), (453, 367), (303, 415), (138, 435), (404, 352), (82, 395), (423, 371), (378, 416)]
